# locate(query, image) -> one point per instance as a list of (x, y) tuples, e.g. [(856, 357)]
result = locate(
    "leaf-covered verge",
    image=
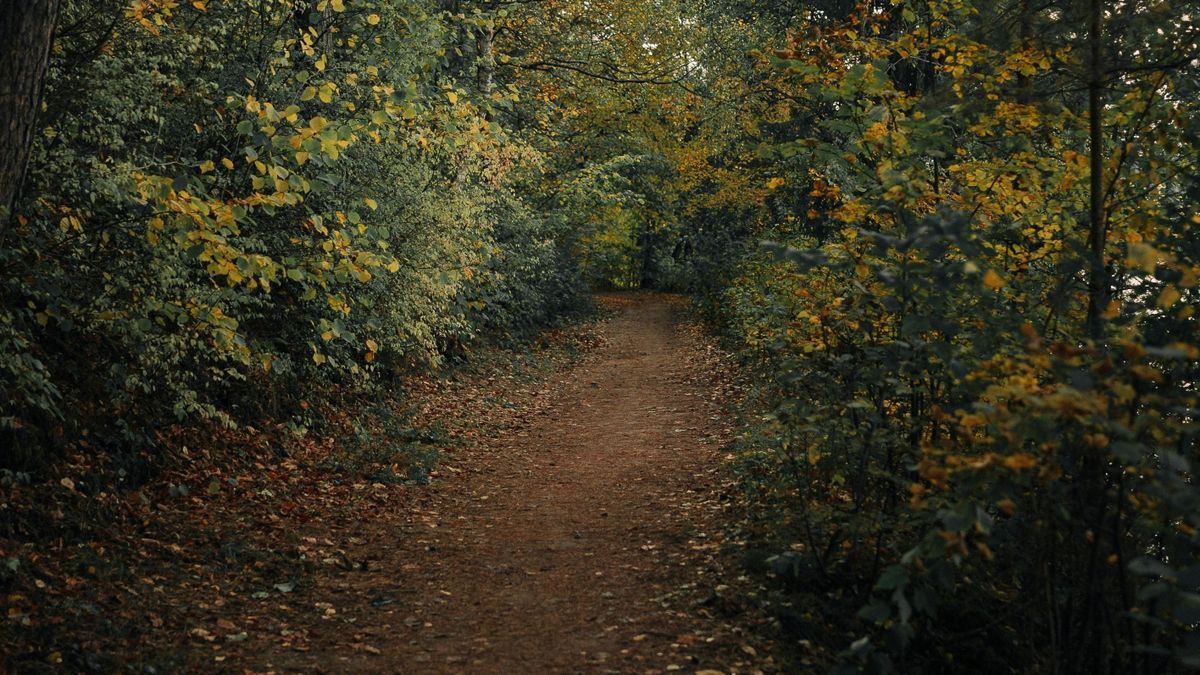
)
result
[(101, 579)]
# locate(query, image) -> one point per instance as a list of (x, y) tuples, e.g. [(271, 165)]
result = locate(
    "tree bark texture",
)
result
[(26, 33), (485, 68), (1098, 282)]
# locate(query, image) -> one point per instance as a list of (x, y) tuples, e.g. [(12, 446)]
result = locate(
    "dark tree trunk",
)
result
[(1025, 82), (1098, 281), (647, 277), (26, 32)]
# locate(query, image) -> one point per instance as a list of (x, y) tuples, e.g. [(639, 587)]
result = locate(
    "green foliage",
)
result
[(973, 324), (231, 205)]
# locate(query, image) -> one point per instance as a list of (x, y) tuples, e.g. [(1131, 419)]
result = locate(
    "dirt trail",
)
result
[(581, 540)]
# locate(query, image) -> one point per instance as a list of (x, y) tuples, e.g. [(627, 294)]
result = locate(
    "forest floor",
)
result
[(575, 523)]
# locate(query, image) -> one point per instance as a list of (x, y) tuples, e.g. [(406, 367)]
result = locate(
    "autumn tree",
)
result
[(976, 211)]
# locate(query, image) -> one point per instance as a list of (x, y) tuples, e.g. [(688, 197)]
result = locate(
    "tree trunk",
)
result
[(1088, 645), (485, 63), (26, 33), (326, 32), (1098, 282), (1024, 35)]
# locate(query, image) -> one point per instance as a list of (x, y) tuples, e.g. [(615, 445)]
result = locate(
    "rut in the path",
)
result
[(574, 544)]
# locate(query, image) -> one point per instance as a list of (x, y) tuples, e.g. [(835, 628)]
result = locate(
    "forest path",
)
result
[(582, 538)]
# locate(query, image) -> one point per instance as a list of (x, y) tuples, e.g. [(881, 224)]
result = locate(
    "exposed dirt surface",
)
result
[(574, 525), (581, 539)]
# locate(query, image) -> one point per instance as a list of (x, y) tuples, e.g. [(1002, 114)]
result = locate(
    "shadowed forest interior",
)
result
[(720, 336)]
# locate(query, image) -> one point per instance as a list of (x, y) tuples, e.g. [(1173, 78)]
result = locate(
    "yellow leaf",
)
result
[(393, 267), (1169, 296), (1020, 461), (327, 335), (372, 345), (992, 280), (320, 64), (1143, 257), (775, 183), (984, 550), (371, 203), (227, 163), (206, 166), (1145, 372), (373, 19), (338, 5), (452, 97)]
